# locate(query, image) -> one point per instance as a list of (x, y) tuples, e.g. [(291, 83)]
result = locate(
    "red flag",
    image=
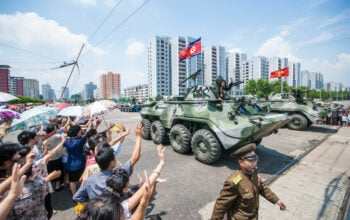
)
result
[(192, 49), (280, 73)]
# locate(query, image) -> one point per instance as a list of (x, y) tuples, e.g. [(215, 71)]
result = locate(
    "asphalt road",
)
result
[(190, 184)]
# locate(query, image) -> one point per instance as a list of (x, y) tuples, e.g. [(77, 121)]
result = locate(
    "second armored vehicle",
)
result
[(303, 112)]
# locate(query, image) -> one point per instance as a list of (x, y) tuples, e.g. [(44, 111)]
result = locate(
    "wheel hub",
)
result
[(202, 147), (296, 122)]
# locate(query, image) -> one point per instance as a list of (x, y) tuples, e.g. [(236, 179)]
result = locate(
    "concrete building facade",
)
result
[(31, 88), (5, 78), (110, 85)]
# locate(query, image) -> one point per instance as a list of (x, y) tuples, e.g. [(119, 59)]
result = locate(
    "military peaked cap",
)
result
[(246, 152)]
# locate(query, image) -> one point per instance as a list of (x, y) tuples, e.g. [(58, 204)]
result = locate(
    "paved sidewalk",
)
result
[(315, 187)]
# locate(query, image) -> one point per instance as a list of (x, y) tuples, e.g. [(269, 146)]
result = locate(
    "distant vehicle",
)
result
[(128, 107), (201, 123), (303, 112)]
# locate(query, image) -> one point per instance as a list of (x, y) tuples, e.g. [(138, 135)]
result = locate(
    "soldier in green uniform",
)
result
[(239, 197)]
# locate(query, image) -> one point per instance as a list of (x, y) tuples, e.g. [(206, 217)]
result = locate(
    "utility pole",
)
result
[(71, 72)]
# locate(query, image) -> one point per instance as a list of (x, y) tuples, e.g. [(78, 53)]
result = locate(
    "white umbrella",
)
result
[(5, 97), (98, 108), (72, 111)]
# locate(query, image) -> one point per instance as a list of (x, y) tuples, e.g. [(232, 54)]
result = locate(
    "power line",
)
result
[(125, 20), (27, 51), (106, 18), (119, 25)]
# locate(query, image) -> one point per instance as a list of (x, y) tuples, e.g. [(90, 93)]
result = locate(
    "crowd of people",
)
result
[(338, 115), (64, 152)]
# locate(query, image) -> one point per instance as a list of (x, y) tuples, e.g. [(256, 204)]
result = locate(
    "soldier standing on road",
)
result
[(239, 197)]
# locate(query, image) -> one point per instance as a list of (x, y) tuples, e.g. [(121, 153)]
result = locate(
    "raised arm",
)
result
[(54, 151), (17, 183), (120, 137), (5, 185), (136, 154), (142, 208), (134, 200)]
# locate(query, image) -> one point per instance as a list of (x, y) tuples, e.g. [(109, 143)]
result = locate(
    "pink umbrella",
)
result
[(61, 105)]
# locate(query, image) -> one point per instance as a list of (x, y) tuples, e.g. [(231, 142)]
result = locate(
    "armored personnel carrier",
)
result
[(128, 107), (201, 123), (303, 112)]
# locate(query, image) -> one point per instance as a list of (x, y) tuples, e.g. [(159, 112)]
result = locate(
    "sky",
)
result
[(37, 36)]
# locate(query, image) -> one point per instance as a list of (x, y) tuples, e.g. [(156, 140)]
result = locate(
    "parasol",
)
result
[(32, 117)]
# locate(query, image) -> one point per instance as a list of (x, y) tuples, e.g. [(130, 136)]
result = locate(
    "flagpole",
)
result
[(280, 78)]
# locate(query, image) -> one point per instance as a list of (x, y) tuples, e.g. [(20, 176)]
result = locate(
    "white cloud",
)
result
[(134, 48), (86, 2), (40, 40), (337, 72), (325, 36), (277, 46), (36, 34)]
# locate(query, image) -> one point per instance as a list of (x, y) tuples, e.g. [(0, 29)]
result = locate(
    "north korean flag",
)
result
[(192, 49)]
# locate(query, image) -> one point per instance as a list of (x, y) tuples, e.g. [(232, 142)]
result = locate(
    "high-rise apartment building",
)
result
[(16, 85), (316, 80), (48, 93), (31, 88), (294, 74), (159, 66), (180, 70), (234, 62), (110, 85), (214, 64), (255, 68), (5, 78), (88, 91)]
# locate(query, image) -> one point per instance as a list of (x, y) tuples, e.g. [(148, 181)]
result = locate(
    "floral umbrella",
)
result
[(32, 117), (98, 108), (7, 115), (72, 111)]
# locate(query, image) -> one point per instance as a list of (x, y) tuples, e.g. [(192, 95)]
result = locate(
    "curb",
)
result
[(296, 160)]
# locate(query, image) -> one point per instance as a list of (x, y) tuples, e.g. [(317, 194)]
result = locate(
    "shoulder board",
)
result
[(237, 179)]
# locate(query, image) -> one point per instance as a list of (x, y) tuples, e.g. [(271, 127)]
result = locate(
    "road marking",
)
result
[(206, 211)]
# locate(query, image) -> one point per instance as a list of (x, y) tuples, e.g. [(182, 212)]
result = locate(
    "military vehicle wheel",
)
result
[(146, 131), (257, 142), (205, 146), (180, 139), (298, 122), (158, 132)]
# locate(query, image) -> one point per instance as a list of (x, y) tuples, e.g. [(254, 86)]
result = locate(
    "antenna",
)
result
[(75, 63)]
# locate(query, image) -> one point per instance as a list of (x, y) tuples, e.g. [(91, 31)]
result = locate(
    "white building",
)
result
[(159, 68), (255, 68), (139, 92), (214, 64), (31, 88), (234, 62), (294, 74)]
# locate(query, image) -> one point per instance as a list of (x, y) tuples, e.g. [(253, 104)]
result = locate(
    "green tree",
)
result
[(263, 87), (159, 97), (251, 87)]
